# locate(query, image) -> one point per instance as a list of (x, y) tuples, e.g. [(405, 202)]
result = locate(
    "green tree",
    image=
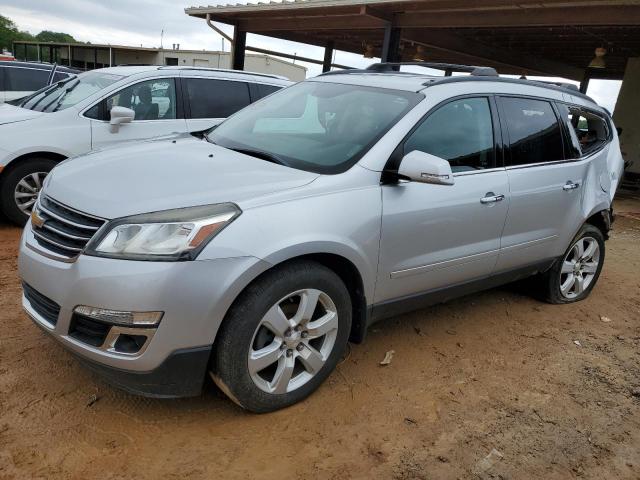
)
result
[(56, 37), (9, 33)]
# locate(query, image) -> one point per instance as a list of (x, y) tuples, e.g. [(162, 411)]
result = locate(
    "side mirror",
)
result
[(422, 167), (120, 115)]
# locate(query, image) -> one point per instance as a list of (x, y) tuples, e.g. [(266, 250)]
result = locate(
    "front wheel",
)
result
[(20, 188), (283, 337), (573, 276)]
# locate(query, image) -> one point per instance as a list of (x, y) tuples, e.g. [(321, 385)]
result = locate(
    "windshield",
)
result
[(315, 126), (68, 92)]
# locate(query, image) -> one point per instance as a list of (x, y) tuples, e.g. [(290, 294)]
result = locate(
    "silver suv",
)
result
[(257, 252)]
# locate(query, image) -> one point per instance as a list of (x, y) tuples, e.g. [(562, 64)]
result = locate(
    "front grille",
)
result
[(43, 306), (63, 230), (88, 330)]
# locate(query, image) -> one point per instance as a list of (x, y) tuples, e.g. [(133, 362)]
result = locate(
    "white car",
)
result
[(19, 79), (103, 107)]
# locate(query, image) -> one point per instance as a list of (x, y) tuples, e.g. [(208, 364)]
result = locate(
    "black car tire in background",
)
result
[(9, 185)]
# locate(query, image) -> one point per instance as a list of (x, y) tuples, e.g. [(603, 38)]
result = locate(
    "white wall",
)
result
[(253, 62), (626, 113)]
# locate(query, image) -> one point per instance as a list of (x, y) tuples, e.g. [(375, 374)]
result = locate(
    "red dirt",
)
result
[(497, 370)]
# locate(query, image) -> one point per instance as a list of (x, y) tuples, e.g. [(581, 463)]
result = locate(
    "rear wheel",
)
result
[(573, 276), (283, 337), (20, 188)]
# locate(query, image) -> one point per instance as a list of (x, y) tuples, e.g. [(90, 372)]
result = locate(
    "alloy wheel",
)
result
[(27, 191), (293, 341), (579, 267)]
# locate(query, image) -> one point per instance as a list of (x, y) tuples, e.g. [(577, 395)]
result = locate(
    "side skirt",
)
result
[(398, 306)]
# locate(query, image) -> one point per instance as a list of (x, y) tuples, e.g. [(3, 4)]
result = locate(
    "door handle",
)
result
[(570, 186), (491, 198)]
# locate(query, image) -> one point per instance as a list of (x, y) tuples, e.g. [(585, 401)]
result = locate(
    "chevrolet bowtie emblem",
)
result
[(36, 220)]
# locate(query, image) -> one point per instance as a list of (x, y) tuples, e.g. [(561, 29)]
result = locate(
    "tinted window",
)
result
[(150, 100), (460, 132), (534, 131), (216, 98), (25, 79), (264, 90), (588, 130), (95, 112), (59, 76)]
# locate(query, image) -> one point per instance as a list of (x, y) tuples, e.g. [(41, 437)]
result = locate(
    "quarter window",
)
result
[(264, 90), (460, 132), (150, 100), (534, 132), (588, 130), (210, 98)]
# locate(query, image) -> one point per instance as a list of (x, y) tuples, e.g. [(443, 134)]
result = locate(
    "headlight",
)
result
[(178, 234)]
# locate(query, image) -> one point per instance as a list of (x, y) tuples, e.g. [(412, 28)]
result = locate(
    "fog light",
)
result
[(117, 317)]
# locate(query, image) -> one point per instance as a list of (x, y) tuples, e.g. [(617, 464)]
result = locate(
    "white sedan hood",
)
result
[(161, 175), (12, 114)]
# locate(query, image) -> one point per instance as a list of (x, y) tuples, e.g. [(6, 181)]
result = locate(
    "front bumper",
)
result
[(182, 374), (194, 297)]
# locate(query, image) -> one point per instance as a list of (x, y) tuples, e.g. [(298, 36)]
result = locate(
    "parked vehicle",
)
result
[(257, 252), (103, 107), (19, 79)]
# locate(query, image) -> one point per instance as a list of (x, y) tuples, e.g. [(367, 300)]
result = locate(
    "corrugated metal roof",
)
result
[(239, 7)]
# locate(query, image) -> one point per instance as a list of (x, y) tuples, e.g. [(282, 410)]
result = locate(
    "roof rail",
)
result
[(569, 86), (558, 86), (225, 70), (449, 67)]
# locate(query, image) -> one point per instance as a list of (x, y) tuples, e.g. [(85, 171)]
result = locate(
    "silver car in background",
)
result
[(258, 252)]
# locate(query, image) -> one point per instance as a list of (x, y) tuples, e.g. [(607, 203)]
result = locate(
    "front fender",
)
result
[(344, 223), (343, 248)]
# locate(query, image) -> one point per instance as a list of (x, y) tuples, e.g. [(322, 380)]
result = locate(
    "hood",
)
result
[(12, 114), (166, 174)]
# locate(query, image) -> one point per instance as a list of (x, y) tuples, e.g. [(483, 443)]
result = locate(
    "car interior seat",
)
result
[(146, 109)]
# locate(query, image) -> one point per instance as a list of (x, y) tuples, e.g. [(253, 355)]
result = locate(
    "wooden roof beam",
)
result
[(540, 17), (342, 22), (369, 11), (453, 43)]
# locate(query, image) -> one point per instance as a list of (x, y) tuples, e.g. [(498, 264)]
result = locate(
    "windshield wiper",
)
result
[(58, 99), (270, 157), (43, 91)]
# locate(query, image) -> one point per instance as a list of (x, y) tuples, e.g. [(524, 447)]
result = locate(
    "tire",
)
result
[(554, 282), (244, 332), (29, 171)]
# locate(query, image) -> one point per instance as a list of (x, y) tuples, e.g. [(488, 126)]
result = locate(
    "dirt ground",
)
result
[(496, 385)]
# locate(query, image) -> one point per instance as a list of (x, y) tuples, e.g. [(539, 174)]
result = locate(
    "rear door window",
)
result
[(534, 132), (25, 79), (211, 98)]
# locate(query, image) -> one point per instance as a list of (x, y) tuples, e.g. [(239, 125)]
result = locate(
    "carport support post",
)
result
[(238, 50), (328, 56), (584, 84), (391, 44)]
